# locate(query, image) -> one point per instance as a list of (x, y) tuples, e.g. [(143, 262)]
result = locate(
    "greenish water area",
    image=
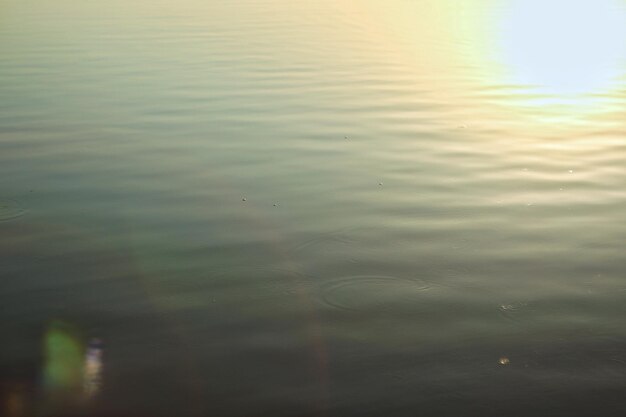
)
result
[(312, 208)]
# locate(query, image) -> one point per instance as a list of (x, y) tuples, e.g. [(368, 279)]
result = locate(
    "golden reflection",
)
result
[(534, 62), (92, 378)]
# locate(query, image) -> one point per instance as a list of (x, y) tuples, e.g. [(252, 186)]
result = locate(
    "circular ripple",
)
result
[(325, 242), (10, 209), (367, 292)]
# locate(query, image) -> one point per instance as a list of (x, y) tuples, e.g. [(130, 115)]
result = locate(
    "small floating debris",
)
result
[(504, 360), (244, 199), (275, 204), (571, 171), (515, 307), (345, 137), (462, 126), (380, 183)]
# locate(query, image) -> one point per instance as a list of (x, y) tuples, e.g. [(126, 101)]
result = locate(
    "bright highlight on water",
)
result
[(564, 48)]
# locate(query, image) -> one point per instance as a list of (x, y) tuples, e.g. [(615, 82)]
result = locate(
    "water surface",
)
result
[(329, 208)]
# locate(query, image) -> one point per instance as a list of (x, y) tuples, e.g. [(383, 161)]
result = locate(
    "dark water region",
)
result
[(330, 208)]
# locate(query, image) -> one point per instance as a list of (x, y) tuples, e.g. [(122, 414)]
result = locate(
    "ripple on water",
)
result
[(10, 210), (327, 242), (367, 292), (514, 311), (262, 281)]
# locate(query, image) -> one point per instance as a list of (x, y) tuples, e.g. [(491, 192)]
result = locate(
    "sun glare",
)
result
[(564, 48)]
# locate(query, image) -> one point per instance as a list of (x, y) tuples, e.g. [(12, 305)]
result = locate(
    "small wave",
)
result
[(262, 281), (325, 242), (367, 292), (10, 210), (513, 311)]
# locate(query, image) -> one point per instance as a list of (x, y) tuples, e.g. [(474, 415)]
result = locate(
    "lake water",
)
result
[(312, 208)]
